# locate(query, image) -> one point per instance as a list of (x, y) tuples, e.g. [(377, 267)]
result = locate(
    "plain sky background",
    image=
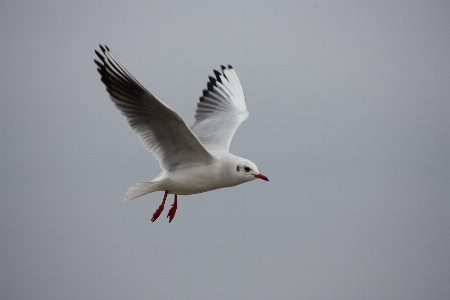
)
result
[(349, 118)]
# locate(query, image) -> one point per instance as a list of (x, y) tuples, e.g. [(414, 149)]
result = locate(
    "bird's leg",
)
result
[(173, 209), (160, 208)]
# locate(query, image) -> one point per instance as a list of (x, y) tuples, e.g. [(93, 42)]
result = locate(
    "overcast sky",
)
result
[(349, 118)]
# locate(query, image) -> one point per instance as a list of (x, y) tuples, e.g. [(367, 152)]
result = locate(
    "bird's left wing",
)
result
[(162, 131), (220, 110)]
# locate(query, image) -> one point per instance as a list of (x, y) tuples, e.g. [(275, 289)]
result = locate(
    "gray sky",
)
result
[(349, 118)]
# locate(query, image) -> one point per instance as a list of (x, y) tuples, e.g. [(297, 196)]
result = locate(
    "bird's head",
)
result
[(246, 170)]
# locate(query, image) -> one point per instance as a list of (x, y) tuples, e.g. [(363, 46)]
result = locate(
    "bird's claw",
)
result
[(172, 210), (160, 208), (157, 212)]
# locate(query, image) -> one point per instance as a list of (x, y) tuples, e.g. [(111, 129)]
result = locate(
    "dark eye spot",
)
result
[(238, 169), (247, 169)]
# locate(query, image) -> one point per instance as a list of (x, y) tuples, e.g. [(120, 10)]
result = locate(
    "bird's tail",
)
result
[(140, 189)]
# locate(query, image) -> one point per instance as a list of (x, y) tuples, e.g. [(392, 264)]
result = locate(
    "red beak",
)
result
[(261, 176)]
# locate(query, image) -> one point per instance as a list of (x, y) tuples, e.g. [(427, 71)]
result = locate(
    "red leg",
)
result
[(172, 210), (160, 208)]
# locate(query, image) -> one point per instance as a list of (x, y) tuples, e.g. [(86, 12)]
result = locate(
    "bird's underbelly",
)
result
[(194, 181)]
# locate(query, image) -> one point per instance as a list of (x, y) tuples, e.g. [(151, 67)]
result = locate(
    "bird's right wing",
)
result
[(220, 110), (162, 131)]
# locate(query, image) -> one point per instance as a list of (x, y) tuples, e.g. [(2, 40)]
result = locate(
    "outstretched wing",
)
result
[(220, 110), (162, 131)]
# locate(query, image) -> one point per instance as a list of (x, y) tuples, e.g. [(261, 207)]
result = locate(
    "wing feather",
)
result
[(162, 131), (220, 111)]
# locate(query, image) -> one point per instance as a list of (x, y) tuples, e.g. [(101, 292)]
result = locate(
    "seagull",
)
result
[(193, 159)]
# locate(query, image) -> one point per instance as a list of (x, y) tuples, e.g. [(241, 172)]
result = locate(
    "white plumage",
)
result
[(193, 160)]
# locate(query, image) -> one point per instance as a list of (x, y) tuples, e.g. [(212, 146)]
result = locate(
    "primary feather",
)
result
[(220, 110), (162, 131)]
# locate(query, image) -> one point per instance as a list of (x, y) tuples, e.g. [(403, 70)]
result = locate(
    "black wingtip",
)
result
[(210, 86), (212, 80), (103, 49), (99, 64), (223, 71), (230, 67), (100, 56), (107, 48), (217, 73)]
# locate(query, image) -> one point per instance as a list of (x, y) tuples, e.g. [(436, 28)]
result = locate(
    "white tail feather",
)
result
[(140, 189)]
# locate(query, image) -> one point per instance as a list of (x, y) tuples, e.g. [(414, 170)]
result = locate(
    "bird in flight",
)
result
[(193, 159)]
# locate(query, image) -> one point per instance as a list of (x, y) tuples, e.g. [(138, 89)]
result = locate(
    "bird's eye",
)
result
[(247, 169), (238, 168)]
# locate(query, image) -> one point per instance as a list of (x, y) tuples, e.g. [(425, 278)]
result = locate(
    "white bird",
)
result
[(193, 160)]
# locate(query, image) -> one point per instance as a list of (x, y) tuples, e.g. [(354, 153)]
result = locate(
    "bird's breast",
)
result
[(196, 180)]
